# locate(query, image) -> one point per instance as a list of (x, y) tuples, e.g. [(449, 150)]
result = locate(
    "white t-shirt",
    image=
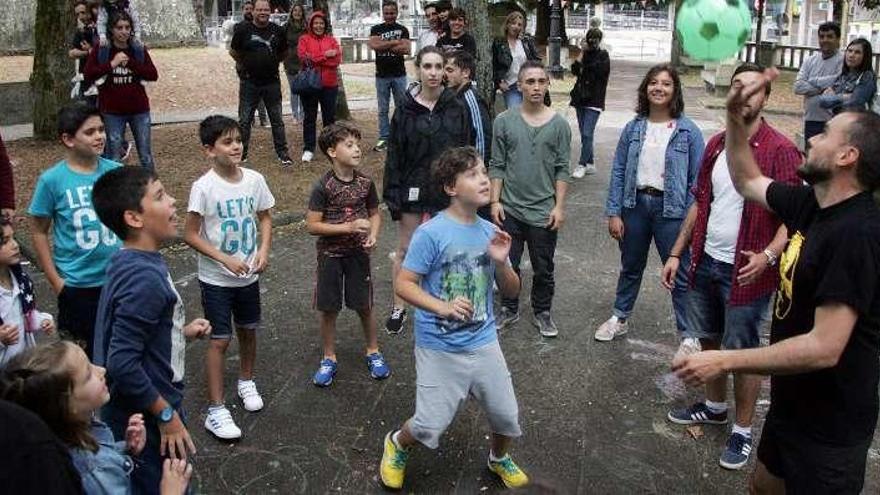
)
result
[(519, 58), (652, 158), (178, 339), (229, 221), (725, 214)]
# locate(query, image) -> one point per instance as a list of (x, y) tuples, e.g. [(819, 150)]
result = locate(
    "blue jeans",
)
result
[(587, 118), (385, 87), (513, 96), (139, 124), (296, 108), (327, 99), (710, 317), (640, 225), (250, 94)]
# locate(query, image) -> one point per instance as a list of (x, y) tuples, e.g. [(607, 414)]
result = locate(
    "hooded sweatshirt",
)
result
[(418, 136), (312, 47)]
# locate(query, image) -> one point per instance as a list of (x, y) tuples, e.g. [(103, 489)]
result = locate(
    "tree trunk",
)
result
[(50, 78), (480, 28), (675, 50), (342, 110)]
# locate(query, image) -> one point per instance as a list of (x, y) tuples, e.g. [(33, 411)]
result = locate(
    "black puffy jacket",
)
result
[(592, 79), (418, 136)]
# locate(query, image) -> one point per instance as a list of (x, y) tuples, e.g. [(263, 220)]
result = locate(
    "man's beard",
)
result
[(249, 17), (813, 174)]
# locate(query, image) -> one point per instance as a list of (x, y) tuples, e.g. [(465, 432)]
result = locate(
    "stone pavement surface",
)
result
[(593, 414)]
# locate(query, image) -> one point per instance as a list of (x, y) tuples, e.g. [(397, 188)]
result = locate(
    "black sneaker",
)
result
[(546, 325), (394, 323), (698, 413), (285, 161), (506, 318)]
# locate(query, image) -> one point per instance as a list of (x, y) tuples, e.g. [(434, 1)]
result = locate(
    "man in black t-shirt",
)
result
[(259, 47), (457, 39), (391, 42), (825, 336)]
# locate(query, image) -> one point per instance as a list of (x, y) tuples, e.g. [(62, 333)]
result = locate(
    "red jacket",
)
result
[(312, 48), (122, 92)]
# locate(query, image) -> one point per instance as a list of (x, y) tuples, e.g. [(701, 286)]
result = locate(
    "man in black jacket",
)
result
[(588, 97)]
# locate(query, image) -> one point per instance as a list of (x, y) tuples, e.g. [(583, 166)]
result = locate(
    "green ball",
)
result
[(713, 29)]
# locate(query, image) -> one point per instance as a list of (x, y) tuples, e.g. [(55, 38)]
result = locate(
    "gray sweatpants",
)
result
[(445, 379)]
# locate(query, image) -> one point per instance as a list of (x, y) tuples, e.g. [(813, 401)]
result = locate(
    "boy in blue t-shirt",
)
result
[(140, 335), (62, 200), (448, 275)]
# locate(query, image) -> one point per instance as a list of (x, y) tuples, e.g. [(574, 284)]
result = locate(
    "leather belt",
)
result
[(650, 191)]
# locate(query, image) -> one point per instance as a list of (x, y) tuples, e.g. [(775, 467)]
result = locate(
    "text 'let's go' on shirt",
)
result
[(453, 261), (82, 245), (229, 221)]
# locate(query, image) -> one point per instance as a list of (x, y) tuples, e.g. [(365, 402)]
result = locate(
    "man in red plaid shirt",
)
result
[(734, 245)]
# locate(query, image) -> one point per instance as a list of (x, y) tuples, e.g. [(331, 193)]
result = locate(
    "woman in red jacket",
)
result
[(320, 49), (122, 98)]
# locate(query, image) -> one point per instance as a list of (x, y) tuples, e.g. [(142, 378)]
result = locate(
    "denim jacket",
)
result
[(683, 157), (106, 471)]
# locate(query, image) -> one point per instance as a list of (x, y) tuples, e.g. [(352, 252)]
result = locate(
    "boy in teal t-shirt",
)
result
[(75, 262)]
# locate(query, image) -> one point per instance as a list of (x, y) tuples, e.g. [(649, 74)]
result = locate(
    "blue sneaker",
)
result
[(698, 413), (379, 369), (736, 453), (324, 375)]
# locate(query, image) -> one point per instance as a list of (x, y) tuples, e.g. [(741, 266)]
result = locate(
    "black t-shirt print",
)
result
[(388, 63), (465, 42), (261, 49), (833, 257)]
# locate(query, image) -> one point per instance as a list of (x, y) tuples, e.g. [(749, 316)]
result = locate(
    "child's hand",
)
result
[(135, 435), (459, 309), (499, 246), (370, 242), (175, 477), (360, 226), (175, 439), (48, 326), (261, 262), (9, 334), (236, 266), (197, 329)]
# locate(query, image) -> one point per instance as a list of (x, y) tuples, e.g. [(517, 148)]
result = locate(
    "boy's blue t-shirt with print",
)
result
[(82, 245), (453, 260)]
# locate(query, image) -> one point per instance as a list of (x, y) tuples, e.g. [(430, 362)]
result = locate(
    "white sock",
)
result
[(716, 407), (495, 459), (745, 431), (394, 437)]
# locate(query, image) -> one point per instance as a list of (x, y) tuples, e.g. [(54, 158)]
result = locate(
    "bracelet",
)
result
[(771, 257), (675, 256)]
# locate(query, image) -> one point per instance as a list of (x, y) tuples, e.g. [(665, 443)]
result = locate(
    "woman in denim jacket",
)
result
[(655, 166), (856, 84)]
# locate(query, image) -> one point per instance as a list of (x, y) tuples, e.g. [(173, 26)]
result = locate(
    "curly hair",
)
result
[(452, 162)]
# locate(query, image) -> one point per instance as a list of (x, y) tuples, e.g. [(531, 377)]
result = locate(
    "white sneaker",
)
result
[(579, 171), (610, 329), (307, 156), (219, 422), (688, 346), (252, 400), (590, 169)]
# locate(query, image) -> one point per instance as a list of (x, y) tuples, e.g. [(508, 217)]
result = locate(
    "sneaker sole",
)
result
[(543, 333), (322, 385), (609, 339), (732, 467), (688, 422), (500, 478), (252, 410), (374, 377), (222, 439)]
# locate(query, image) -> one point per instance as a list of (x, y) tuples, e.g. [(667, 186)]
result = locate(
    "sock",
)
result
[(745, 431), (394, 437), (618, 319), (495, 459), (716, 407)]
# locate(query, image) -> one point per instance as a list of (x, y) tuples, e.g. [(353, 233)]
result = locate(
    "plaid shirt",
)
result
[(778, 158)]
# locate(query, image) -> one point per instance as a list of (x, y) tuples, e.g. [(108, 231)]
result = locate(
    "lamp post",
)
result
[(555, 39)]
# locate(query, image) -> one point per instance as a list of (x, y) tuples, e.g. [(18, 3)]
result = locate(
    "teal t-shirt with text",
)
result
[(82, 245)]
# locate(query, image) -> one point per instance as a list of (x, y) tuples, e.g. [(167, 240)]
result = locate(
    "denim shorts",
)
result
[(710, 317), (222, 304)]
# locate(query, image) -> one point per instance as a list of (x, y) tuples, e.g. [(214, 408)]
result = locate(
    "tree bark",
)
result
[(675, 50), (480, 28), (50, 78)]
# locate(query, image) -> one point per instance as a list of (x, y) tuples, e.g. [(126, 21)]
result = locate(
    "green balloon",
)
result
[(713, 30)]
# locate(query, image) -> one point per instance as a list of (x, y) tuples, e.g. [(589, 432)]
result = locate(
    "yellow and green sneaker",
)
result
[(393, 466), (509, 472)]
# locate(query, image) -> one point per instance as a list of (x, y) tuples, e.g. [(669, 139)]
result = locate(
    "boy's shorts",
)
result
[(445, 379), (77, 312), (810, 466), (710, 317), (222, 304), (343, 276)]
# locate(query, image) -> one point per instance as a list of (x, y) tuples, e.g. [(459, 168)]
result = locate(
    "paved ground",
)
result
[(593, 414)]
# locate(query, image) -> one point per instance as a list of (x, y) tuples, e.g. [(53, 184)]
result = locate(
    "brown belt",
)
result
[(650, 191)]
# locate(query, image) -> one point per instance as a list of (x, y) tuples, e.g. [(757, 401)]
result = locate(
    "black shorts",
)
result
[(77, 312), (808, 465), (343, 276)]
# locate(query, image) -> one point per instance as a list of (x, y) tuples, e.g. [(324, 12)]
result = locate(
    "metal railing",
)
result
[(788, 57)]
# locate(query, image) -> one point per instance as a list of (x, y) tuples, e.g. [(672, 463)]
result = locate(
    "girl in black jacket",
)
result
[(588, 97), (431, 120)]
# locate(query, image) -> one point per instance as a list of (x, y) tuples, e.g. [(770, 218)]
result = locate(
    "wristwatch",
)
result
[(771, 257), (165, 415)]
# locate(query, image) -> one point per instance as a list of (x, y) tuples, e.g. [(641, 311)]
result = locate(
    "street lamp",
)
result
[(555, 39)]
